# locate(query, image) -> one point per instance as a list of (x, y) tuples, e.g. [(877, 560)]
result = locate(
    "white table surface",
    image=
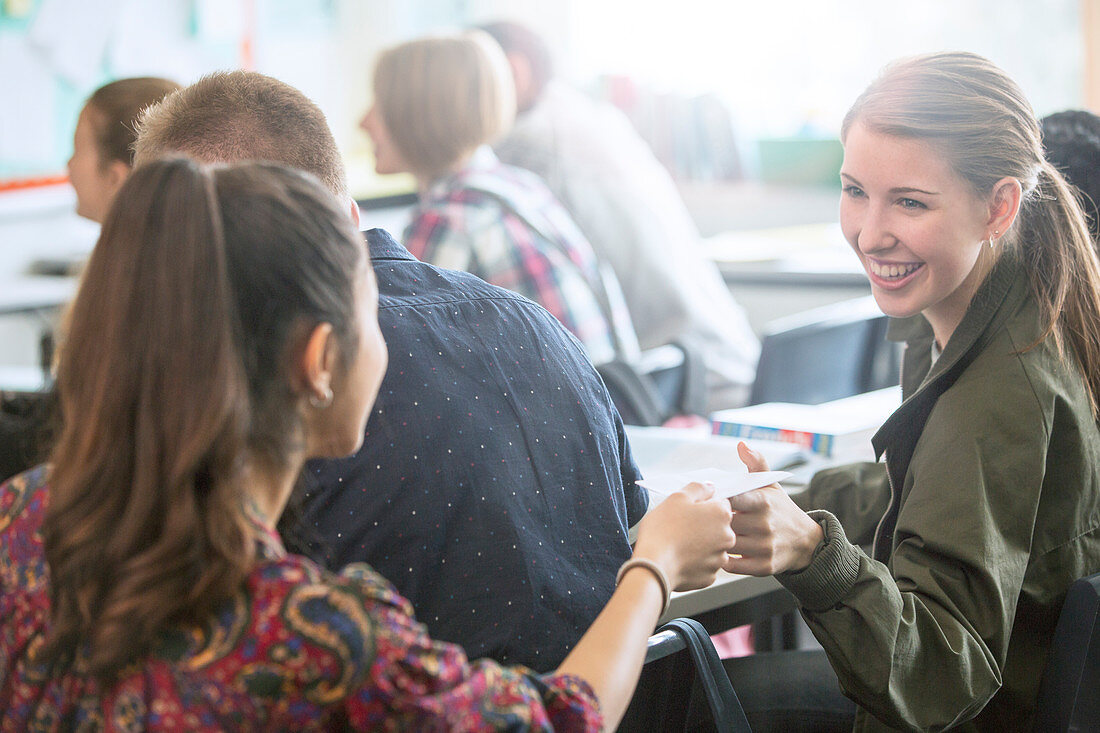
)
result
[(727, 590), (665, 449)]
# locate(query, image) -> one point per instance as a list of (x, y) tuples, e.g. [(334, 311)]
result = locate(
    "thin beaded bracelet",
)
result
[(641, 562)]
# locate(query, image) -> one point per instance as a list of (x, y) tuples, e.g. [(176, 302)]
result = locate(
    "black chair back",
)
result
[(633, 393), (1069, 694), (682, 666), (825, 354), (664, 381)]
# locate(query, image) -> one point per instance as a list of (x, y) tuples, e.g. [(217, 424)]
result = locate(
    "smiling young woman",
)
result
[(979, 248), (917, 227)]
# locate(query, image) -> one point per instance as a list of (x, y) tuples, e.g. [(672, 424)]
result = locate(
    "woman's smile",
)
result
[(892, 275)]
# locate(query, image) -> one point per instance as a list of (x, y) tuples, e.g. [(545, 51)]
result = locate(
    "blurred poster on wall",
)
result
[(27, 124), (72, 36)]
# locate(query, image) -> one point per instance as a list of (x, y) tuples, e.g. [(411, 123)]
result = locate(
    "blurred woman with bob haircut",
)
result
[(439, 102)]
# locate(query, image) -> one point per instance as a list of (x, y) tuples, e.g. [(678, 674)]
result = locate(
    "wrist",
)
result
[(813, 541), (636, 565), (664, 557)]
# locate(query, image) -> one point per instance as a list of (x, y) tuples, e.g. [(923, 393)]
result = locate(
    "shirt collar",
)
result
[(482, 160), (269, 546), (383, 246)]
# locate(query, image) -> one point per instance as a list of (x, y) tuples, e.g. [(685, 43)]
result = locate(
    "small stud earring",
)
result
[(324, 400)]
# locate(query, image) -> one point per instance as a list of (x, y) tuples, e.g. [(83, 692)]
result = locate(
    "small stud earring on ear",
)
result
[(324, 400)]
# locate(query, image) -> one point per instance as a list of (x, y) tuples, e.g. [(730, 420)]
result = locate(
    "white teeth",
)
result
[(892, 271)]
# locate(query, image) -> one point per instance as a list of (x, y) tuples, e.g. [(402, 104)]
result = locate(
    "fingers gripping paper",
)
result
[(727, 483)]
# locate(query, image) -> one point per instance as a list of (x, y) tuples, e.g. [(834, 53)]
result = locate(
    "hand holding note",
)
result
[(773, 535), (726, 483)]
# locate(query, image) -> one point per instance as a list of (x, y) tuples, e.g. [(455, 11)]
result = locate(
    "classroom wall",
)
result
[(53, 53), (61, 50)]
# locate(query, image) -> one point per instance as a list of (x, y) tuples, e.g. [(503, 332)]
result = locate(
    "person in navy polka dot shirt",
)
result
[(495, 485)]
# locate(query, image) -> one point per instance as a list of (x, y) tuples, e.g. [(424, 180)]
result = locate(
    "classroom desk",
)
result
[(735, 600), (29, 308), (28, 294), (732, 600), (814, 254)]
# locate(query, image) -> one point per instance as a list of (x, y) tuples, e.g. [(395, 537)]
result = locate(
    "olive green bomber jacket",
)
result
[(994, 468)]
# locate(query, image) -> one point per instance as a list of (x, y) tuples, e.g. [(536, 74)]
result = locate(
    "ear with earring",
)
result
[(315, 364), (324, 400)]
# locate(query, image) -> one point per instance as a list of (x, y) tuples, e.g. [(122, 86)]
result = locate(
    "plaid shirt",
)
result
[(502, 224)]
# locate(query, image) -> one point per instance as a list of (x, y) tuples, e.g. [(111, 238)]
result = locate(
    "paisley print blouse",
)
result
[(297, 648)]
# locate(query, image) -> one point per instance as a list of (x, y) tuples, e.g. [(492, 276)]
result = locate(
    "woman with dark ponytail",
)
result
[(224, 332), (979, 249)]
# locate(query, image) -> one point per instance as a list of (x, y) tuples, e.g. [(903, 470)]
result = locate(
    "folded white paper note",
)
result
[(726, 483)]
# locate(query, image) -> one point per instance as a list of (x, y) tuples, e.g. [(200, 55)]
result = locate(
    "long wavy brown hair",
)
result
[(979, 118), (171, 377)]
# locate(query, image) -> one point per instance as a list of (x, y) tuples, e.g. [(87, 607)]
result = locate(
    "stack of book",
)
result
[(841, 429)]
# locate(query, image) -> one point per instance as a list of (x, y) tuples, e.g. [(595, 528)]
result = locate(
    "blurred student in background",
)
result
[(143, 583), (438, 102), (102, 143), (102, 160), (626, 204), (1072, 143)]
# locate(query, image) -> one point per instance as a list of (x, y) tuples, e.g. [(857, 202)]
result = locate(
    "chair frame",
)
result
[(685, 635), (1069, 694)]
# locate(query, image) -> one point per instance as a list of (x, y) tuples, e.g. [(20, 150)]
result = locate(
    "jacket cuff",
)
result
[(831, 574)]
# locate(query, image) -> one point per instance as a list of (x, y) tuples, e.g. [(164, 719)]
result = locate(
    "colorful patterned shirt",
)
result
[(297, 648), (502, 224)]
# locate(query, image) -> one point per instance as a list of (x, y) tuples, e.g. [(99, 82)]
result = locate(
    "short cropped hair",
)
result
[(1071, 140), (230, 116), (443, 96), (115, 108), (521, 40)]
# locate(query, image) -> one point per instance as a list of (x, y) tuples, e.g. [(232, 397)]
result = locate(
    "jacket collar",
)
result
[(1004, 286)]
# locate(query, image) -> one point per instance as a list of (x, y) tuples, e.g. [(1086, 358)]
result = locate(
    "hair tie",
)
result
[(662, 579)]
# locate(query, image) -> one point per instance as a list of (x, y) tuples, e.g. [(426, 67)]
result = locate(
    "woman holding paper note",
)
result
[(143, 583), (979, 248)]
